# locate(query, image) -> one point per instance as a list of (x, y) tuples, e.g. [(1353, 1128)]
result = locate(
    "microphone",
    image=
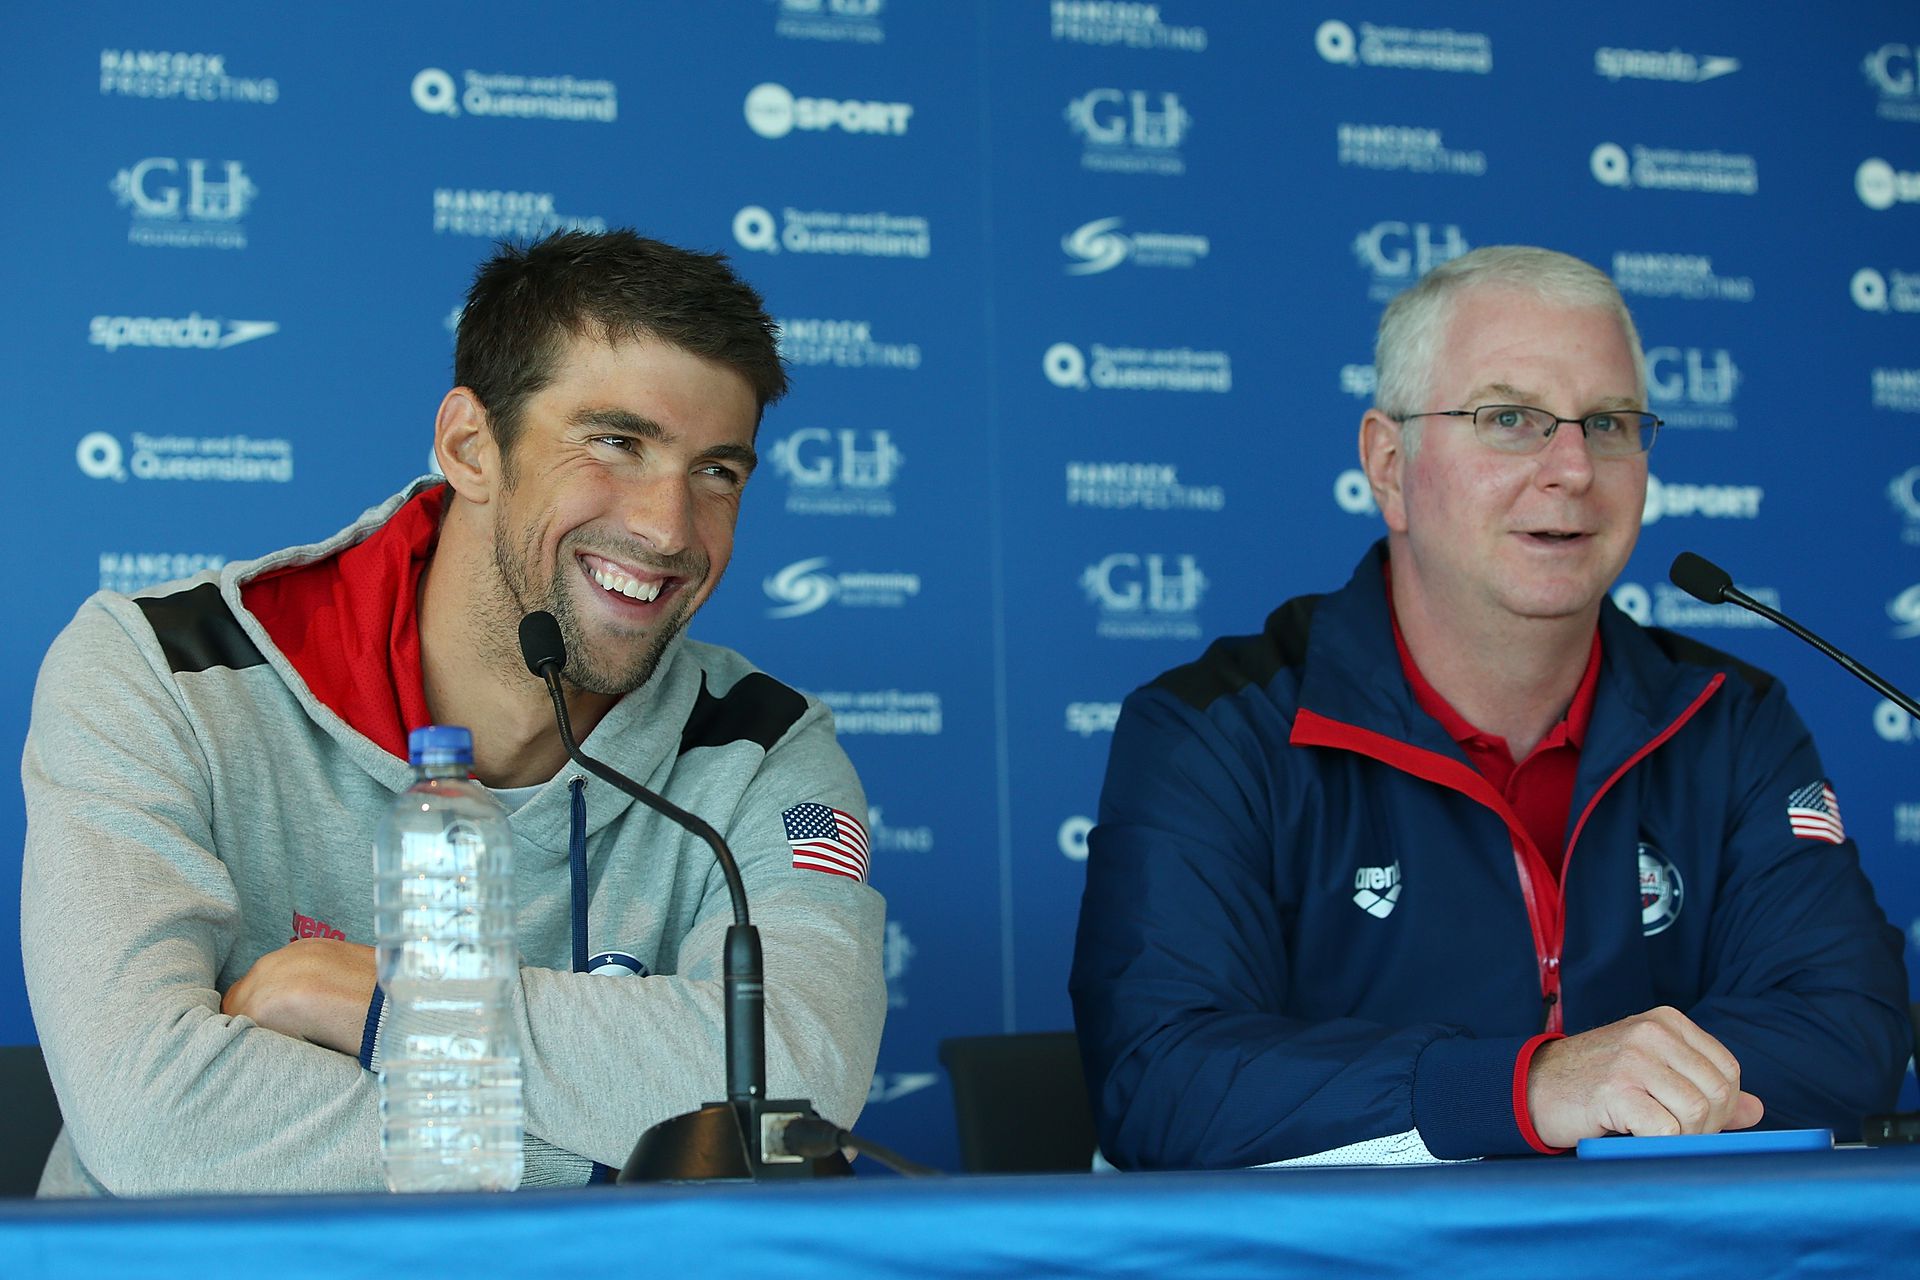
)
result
[(1706, 581), (745, 1136)]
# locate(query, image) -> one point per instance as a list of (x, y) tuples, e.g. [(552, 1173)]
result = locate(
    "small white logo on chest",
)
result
[(1376, 890)]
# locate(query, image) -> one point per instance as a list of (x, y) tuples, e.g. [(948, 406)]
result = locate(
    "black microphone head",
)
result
[(1700, 578), (541, 643)]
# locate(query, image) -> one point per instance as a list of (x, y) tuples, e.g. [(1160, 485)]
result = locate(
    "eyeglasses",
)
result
[(1519, 428)]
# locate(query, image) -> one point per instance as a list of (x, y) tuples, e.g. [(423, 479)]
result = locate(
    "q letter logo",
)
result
[(433, 93), (100, 457)]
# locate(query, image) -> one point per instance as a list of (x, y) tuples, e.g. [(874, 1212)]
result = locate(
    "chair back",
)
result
[(1020, 1102), (26, 1098)]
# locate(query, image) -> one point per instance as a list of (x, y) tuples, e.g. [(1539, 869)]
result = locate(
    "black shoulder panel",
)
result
[(1690, 652), (1234, 662), (197, 631), (757, 709)]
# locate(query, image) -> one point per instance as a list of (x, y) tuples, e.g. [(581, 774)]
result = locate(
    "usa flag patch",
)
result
[(1813, 812), (825, 839)]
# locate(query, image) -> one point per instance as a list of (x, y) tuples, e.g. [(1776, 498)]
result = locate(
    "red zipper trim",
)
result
[(1539, 890)]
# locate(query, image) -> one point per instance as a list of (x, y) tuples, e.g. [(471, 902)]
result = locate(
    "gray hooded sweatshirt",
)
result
[(191, 806)]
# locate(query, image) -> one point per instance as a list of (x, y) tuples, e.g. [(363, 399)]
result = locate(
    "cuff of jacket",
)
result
[(1463, 1098), (370, 1033), (1523, 1114)]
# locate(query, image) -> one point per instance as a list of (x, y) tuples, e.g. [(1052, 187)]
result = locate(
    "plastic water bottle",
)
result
[(451, 1115)]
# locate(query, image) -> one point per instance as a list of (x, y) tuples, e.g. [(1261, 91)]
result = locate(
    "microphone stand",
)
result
[(743, 1137)]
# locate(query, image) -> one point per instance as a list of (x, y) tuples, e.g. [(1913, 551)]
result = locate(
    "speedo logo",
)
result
[(190, 330), (1376, 890)]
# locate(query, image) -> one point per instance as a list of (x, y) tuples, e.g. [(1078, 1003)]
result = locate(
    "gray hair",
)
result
[(1415, 323)]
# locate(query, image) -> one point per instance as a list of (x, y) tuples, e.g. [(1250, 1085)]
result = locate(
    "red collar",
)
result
[(350, 624), (1571, 730)]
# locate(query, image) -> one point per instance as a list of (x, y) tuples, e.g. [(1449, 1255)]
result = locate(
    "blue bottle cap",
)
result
[(440, 744)]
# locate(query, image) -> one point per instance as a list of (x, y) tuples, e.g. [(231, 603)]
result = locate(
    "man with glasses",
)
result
[(1458, 860)]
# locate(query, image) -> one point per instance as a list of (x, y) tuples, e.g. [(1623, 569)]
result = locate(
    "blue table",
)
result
[(1852, 1213)]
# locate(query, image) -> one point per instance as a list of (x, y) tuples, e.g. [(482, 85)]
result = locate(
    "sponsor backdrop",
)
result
[(1079, 299)]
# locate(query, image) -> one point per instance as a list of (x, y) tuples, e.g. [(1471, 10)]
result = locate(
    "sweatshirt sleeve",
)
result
[(128, 923), (1182, 969), (607, 1058)]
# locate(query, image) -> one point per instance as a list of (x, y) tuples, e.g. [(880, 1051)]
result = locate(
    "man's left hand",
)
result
[(313, 989)]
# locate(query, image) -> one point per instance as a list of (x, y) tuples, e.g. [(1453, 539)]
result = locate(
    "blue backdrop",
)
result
[(1079, 299)]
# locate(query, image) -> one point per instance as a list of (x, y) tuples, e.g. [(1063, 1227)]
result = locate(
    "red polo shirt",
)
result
[(1540, 788)]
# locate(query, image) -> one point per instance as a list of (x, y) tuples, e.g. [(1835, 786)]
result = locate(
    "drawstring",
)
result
[(577, 861)]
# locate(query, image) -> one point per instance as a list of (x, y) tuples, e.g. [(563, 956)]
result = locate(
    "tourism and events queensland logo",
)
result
[(242, 459), (1889, 291), (512, 96), (832, 233), (1649, 168), (1404, 48), (186, 203)]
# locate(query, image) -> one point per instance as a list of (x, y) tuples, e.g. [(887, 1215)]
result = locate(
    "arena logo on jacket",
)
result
[(827, 839), (1376, 890), (1661, 891)]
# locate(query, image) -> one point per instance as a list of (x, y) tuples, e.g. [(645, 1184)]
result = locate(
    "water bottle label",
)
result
[(616, 964)]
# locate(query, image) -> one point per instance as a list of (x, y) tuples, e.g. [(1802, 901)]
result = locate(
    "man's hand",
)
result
[(1654, 1073), (313, 989)]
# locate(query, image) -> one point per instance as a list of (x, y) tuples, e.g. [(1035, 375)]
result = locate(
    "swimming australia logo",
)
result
[(1660, 891), (1376, 890)]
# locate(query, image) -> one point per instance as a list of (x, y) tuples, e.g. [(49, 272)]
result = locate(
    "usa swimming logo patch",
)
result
[(1661, 891)]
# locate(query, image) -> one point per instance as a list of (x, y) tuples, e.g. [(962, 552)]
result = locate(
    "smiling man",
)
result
[(208, 761), (1458, 860)]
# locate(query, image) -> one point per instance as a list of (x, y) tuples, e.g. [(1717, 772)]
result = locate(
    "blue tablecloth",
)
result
[(1853, 1213)]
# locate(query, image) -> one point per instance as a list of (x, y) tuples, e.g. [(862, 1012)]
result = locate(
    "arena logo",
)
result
[(804, 587), (1692, 387), (772, 111), (1722, 173), (129, 571), (1881, 186), (1088, 718), (1890, 70), (1395, 254), (1359, 381), (189, 332), (1896, 389), (516, 97), (838, 473), (1904, 609), (1674, 66), (855, 21), (205, 214), (848, 344), (235, 458), (1668, 606), (1713, 501), (1402, 148), (191, 77), (1353, 495), (1146, 596), (1072, 837), (504, 215), (1888, 291), (1137, 368), (1904, 492), (1138, 486), (1130, 131), (1100, 246), (1405, 48), (1120, 22), (896, 953), (1687, 276), (888, 838), (821, 231), (1894, 724), (885, 712)]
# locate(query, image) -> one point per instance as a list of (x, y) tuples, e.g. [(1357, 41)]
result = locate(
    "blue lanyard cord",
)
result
[(577, 861)]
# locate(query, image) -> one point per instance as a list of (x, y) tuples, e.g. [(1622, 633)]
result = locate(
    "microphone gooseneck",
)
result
[(1704, 580)]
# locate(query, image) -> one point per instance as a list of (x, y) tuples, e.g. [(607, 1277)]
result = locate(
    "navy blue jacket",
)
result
[(1309, 921)]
